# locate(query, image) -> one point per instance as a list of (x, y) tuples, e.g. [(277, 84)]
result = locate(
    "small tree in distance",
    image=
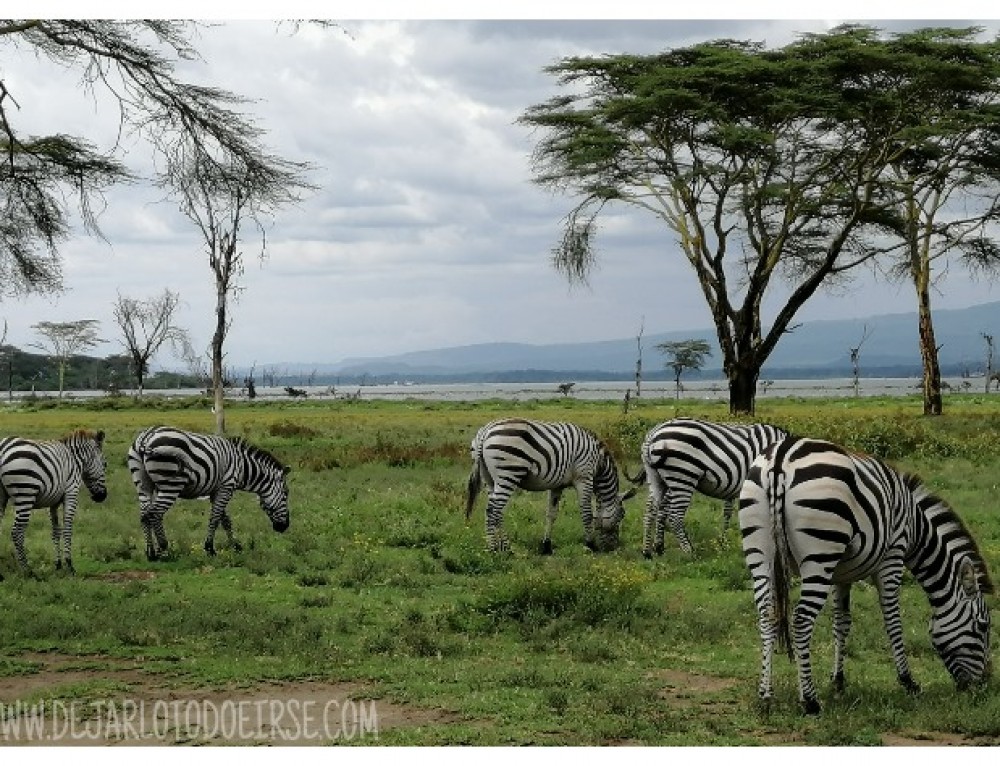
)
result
[(66, 339), (146, 325), (684, 355)]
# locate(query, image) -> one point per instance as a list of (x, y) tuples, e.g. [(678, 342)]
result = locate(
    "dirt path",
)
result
[(65, 703)]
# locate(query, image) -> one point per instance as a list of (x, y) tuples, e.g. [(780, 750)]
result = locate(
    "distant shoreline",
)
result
[(593, 390)]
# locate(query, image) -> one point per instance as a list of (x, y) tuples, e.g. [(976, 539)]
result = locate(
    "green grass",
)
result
[(380, 580)]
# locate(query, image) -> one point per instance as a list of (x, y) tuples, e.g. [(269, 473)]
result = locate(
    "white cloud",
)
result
[(426, 230)]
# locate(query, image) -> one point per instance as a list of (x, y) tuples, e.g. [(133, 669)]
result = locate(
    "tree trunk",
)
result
[(62, 377), (218, 338), (929, 354), (743, 389)]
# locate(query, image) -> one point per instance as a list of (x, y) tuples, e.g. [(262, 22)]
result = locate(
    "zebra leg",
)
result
[(811, 601), (161, 535), (220, 499), (585, 492), (3, 508), (727, 514), (550, 517), (887, 582), (69, 514), (22, 512), (841, 629), (651, 516), (496, 540), (227, 527), (674, 508), (56, 534)]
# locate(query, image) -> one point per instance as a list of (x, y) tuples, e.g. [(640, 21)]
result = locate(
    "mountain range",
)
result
[(813, 349)]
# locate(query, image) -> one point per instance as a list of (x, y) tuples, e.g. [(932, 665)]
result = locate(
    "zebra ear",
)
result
[(967, 578), (286, 470), (99, 437)]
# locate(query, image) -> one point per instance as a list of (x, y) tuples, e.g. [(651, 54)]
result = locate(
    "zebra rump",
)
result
[(684, 455), (813, 509)]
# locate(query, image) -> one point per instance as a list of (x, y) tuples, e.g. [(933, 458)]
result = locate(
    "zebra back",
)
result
[(690, 447)]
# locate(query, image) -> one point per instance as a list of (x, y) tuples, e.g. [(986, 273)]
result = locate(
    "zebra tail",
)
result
[(472, 491), (780, 579)]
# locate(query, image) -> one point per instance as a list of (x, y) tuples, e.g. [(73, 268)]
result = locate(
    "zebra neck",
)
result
[(940, 540)]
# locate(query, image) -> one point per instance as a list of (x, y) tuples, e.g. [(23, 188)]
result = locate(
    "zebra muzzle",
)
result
[(279, 526), (99, 496)]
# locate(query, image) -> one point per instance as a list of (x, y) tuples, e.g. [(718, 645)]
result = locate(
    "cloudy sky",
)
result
[(425, 230)]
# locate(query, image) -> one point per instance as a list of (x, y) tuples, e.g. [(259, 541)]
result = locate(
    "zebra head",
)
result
[(87, 449), (274, 498), (610, 504), (960, 628)]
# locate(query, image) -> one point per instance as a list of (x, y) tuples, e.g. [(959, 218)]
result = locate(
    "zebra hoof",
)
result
[(546, 549), (911, 686), (810, 706), (591, 545), (647, 554), (210, 549), (151, 554), (658, 549), (839, 683), (69, 568)]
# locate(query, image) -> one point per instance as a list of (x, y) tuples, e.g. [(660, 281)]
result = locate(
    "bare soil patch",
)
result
[(85, 700)]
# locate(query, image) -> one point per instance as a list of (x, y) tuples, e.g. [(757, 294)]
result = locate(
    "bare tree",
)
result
[(221, 192), (989, 360), (684, 355), (146, 326), (638, 360), (41, 177), (66, 339), (856, 359), (8, 353)]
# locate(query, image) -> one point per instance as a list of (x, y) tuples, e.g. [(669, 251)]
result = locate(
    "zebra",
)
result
[(534, 455), (47, 474), (168, 463), (682, 455), (834, 517)]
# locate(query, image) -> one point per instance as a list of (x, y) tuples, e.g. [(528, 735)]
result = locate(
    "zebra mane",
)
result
[(256, 452), (929, 499), (78, 434)]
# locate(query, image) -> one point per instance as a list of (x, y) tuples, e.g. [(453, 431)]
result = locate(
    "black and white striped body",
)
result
[(811, 508), (540, 456), (47, 474), (685, 455), (167, 464)]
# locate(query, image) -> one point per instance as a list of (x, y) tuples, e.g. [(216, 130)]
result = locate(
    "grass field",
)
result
[(382, 594)]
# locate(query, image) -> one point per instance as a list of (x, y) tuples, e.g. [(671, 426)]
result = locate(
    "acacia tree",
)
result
[(750, 156), (940, 90), (63, 340), (146, 326), (41, 177), (684, 355)]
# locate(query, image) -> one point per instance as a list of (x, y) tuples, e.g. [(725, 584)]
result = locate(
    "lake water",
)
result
[(596, 390)]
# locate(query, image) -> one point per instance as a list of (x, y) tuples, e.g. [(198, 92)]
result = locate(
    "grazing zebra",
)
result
[(47, 474), (683, 455), (167, 464), (536, 456), (835, 517)]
